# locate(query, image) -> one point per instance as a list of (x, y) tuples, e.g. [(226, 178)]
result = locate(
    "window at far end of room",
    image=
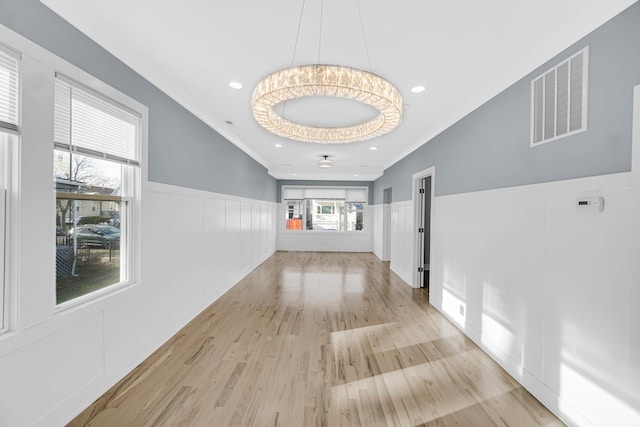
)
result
[(324, 209)]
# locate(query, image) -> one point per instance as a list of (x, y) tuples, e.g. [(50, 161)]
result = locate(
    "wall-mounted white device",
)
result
[(590, 204)]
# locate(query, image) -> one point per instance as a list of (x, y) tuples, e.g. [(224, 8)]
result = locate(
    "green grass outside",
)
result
[(94, 274)]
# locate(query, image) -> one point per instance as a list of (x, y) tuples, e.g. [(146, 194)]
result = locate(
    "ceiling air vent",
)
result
[(559, 100)]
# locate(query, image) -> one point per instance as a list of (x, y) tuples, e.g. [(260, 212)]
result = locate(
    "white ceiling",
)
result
[(463, 51)]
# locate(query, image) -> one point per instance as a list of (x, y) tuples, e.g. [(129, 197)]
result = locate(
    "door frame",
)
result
[(386, 225), (429, 172), (635, 177)]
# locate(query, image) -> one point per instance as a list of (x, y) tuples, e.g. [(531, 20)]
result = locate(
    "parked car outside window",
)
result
[(97, 235)]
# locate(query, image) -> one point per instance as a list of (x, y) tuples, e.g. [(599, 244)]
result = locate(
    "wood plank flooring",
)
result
[(318, 339)]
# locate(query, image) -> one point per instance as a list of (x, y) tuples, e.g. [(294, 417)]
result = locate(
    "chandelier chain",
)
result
[(320, 31), (364, 37), (295, 45), (295, 48)]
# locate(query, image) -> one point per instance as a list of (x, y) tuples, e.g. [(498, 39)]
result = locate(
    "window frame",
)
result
[(131, 190), (294, 214), (355, 210), (9, 137), (5, 213), (300, 191)]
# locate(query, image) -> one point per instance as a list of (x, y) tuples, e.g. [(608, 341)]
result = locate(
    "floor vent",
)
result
[(559, 100)]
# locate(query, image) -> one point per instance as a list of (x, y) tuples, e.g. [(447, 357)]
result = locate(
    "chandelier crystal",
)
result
[(326, 80)]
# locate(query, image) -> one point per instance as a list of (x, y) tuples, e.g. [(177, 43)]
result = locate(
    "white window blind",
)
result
[(357, 195), (293, 193), (9, 91), (348, 194), (324, 193), (91, 124)]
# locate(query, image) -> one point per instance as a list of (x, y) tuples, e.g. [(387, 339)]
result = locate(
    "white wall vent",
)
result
[(559, 100)]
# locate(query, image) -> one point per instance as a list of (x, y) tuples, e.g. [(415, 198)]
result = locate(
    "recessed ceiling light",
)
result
[(417, 89), (356, 175), (373, 148), (278, 145), (294, 174), (235, 85)]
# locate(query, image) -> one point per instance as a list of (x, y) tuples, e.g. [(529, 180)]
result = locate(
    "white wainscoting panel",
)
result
[(377, 212), (44, 373), (545, 289), (219, 240), (214, 236), (402, 240), (381, 231)]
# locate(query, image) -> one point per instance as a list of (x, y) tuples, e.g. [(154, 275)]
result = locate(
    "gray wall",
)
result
[(489, 148), (183, 150), (326, 184)]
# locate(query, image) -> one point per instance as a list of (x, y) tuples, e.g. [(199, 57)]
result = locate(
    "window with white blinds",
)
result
[(91, 124), (348, 194), (9, 124), (9, 91)]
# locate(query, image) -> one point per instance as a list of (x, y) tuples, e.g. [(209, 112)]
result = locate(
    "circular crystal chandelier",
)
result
[(326, 80)]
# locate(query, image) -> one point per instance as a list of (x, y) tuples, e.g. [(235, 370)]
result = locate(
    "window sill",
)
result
[(94, 298), (67, 314)]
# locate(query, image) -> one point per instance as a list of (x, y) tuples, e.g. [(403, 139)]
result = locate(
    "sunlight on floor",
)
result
[(411, 393)]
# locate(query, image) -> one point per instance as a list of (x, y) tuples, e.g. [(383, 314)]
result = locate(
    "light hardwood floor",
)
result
[(318, 339)]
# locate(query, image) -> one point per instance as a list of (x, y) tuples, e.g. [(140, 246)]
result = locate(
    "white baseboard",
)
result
[(406, 277)]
